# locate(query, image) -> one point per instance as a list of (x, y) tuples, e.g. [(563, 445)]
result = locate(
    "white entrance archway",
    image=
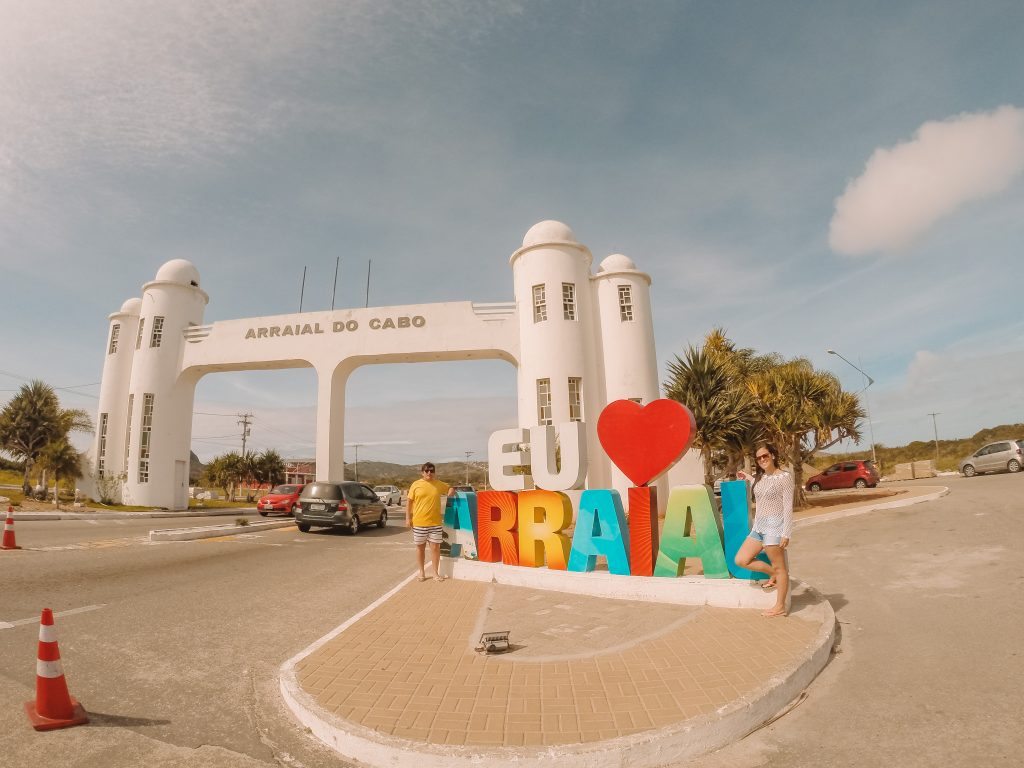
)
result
[(577, 341)]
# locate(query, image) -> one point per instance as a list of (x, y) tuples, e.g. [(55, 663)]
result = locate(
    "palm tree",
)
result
[(723, 412), (804, 411)]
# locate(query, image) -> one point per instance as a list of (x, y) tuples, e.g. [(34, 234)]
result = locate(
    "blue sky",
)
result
[(807, 176)]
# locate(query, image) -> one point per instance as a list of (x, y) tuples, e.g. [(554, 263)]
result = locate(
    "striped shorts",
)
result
[(432, 533)]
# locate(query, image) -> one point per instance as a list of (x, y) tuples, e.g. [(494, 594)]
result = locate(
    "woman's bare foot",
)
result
[(773, 612), (769, 585)]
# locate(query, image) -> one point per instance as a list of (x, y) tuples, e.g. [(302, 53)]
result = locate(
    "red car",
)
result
[(845, 474), (282, 498)]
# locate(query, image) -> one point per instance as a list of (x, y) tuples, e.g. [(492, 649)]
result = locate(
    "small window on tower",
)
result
[(115, 332), (625, 303), (540, 305), (544, 402), (569, 301), (158, 332), (101, 453), (575, 398), (138, 337)]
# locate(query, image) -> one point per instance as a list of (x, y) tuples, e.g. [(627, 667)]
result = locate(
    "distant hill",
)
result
[(402, 475), (950, 451)]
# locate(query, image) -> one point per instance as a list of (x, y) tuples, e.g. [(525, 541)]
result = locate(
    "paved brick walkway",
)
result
[(582, 669)]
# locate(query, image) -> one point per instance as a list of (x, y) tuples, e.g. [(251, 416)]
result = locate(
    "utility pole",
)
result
[(936, 430), (356, 446), (244, 423), (468, 454)]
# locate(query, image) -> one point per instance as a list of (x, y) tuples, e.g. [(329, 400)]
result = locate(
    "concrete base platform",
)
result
[(590, 681)]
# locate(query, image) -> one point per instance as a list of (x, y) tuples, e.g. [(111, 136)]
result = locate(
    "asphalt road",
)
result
[(175, 655), (930, 669)]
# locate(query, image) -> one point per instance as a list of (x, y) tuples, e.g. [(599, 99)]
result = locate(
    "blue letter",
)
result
[(600, 530)]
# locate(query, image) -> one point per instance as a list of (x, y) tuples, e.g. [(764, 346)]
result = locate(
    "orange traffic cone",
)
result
[(8, 542), (53, 707)]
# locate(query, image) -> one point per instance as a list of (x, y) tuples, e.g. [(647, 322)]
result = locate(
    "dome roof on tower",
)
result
[(549, 231), (617, 262), (132, 307), (178, 271)]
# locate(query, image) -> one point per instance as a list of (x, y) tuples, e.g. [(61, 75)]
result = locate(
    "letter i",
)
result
[(643, 530)]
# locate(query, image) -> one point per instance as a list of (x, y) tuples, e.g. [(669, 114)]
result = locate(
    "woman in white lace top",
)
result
[(773, 524)]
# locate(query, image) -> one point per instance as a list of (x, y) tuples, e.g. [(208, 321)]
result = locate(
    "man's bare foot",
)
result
[(773, 612), (423, 577)]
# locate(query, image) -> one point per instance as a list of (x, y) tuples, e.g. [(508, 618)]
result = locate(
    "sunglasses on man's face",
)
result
[(428, 471)]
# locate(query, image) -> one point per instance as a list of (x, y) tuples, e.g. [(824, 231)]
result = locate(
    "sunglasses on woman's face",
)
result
[(763, 456)]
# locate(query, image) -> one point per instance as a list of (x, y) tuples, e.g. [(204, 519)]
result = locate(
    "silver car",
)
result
[(1001, 456), (388, 494)]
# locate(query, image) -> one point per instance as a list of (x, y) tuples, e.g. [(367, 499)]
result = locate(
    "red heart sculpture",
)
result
[(645, 440)]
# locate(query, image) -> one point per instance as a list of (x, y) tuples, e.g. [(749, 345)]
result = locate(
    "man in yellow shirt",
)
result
[(424, 513)]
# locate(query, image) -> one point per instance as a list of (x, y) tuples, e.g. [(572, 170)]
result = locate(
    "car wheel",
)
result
[(968, 470), (304, 527), (291, 511), (263, 513), (861, 483), (383, 519), (814, 487), (1013, 466), (353, 525)]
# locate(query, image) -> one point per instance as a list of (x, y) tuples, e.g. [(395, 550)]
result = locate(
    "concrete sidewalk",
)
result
[(639, 672), (589, 681)]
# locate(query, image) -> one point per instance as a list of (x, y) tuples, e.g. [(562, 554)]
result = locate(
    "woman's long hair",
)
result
[(758, 471)]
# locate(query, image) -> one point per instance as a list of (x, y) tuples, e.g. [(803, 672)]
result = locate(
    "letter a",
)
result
[(688, 507), (600, 530), (460, 519)]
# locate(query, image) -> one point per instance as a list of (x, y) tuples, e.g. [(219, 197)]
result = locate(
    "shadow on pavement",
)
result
[(120, 721)]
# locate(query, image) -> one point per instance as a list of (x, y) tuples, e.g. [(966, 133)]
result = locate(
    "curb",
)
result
[(213, 531), (648, 749), (33, 516), (829, 516)]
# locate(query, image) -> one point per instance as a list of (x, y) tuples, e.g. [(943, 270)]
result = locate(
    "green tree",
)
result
[(270, 468), (804, 411), (30, 420), (61, 458), (225, 472)]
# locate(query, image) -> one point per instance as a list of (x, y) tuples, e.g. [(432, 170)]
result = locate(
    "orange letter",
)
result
[(500, 530), (543, 515)]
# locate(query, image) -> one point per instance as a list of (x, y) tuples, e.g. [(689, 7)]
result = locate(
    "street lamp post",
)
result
[(867, 402), (468, 454)]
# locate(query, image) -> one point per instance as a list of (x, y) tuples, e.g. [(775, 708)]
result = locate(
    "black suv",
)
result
[(347, 505)]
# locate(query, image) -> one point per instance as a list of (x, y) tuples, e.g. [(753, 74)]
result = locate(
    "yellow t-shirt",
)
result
[(426, 496)]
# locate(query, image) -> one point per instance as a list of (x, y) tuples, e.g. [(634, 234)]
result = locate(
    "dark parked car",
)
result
[(346, 505), (845, 474), (1001, 456)]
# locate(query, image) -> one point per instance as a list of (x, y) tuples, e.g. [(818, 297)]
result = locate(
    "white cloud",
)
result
[(906, 189)]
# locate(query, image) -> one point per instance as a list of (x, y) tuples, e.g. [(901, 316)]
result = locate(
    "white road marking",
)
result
[(35, 619)]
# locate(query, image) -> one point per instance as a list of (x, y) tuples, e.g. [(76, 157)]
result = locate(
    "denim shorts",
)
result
[(769, 540)]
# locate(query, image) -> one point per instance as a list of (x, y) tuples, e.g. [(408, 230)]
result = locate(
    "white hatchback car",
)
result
[(388, 494)]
